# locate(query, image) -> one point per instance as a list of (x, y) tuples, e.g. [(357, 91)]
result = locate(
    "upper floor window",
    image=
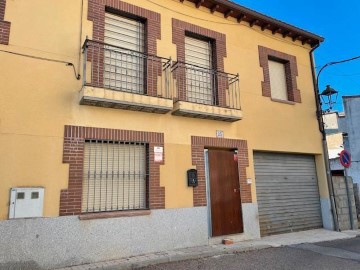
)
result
[(199, 71), (124, 60), (278, 83), (280, 75), (135, 68)]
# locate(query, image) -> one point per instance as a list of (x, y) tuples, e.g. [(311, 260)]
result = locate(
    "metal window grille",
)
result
[(125, 65), (115, 176)]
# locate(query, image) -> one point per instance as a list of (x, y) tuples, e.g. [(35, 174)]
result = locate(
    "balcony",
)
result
[(125, 79), (121, 78), (205, 93)]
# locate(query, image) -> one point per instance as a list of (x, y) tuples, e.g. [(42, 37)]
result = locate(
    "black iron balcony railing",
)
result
[(121, 69), (206, 86)]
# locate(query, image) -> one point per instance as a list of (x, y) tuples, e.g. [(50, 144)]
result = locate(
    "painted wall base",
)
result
[(44, 243), (251, 220), (327, 216)]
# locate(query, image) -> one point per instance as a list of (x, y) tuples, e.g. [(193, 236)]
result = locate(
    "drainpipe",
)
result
[(81, 32), (324, 143), (349, 199)]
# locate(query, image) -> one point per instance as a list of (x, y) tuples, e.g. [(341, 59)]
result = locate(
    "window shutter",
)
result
[(124, 32), (124, 67), (198, 52), (114, 176), (199, 79), (278, 80)]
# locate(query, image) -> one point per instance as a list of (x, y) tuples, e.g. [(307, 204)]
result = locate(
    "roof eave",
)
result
[(230, 9)]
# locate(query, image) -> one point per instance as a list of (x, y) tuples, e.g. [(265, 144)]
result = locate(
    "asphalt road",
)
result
[(341, 254)]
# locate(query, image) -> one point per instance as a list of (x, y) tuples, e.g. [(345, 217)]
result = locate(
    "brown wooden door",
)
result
[(225, 198)]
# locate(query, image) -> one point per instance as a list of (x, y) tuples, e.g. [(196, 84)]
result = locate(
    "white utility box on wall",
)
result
[(26, 202)]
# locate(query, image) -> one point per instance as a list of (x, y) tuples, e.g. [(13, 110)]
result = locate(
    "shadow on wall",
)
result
[(357, 199)]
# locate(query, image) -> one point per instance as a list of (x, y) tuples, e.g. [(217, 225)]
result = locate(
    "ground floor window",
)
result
[(115, 176)]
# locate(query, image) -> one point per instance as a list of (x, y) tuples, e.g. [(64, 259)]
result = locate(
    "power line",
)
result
[(227, 23), (334, 63), (343, 75), (338, 62), (190, 16)]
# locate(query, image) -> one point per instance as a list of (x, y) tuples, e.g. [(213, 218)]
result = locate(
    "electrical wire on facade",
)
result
[(77, 76)]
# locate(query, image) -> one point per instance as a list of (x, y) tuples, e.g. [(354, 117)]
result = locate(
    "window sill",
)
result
[(116, 214), (283, 101)]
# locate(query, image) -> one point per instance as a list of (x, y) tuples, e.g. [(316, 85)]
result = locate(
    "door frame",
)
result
[(208, 193), (208, 197)]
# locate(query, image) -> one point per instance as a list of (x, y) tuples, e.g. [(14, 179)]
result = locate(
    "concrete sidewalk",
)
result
[(311, 236)]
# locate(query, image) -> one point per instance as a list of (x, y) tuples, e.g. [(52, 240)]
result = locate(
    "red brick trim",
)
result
[(73, 154), (96, 14), (179, 31), (4, 26), (290, 68), (198, 144)]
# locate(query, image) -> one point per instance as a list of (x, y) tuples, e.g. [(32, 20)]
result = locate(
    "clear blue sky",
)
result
[(337, 22)]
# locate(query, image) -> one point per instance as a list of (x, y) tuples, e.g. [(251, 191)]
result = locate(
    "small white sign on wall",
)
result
[(158, 153), (219, 134)]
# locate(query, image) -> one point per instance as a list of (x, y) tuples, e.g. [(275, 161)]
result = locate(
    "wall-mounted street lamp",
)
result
[(329, 98)]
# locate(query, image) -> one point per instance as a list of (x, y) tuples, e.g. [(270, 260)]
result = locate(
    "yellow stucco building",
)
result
[(136, 126)]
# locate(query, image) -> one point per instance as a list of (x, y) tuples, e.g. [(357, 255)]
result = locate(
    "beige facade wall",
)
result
[(39, 97)]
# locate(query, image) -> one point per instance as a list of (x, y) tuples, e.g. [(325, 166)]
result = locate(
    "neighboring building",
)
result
[(192, 120), (342, 133), (351, 126), (335, 141)]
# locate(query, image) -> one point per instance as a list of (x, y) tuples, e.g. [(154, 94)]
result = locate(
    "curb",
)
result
[(201, 252), (183, 257)]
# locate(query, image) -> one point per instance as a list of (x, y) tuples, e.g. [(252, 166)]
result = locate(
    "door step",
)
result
[(227, 241)]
